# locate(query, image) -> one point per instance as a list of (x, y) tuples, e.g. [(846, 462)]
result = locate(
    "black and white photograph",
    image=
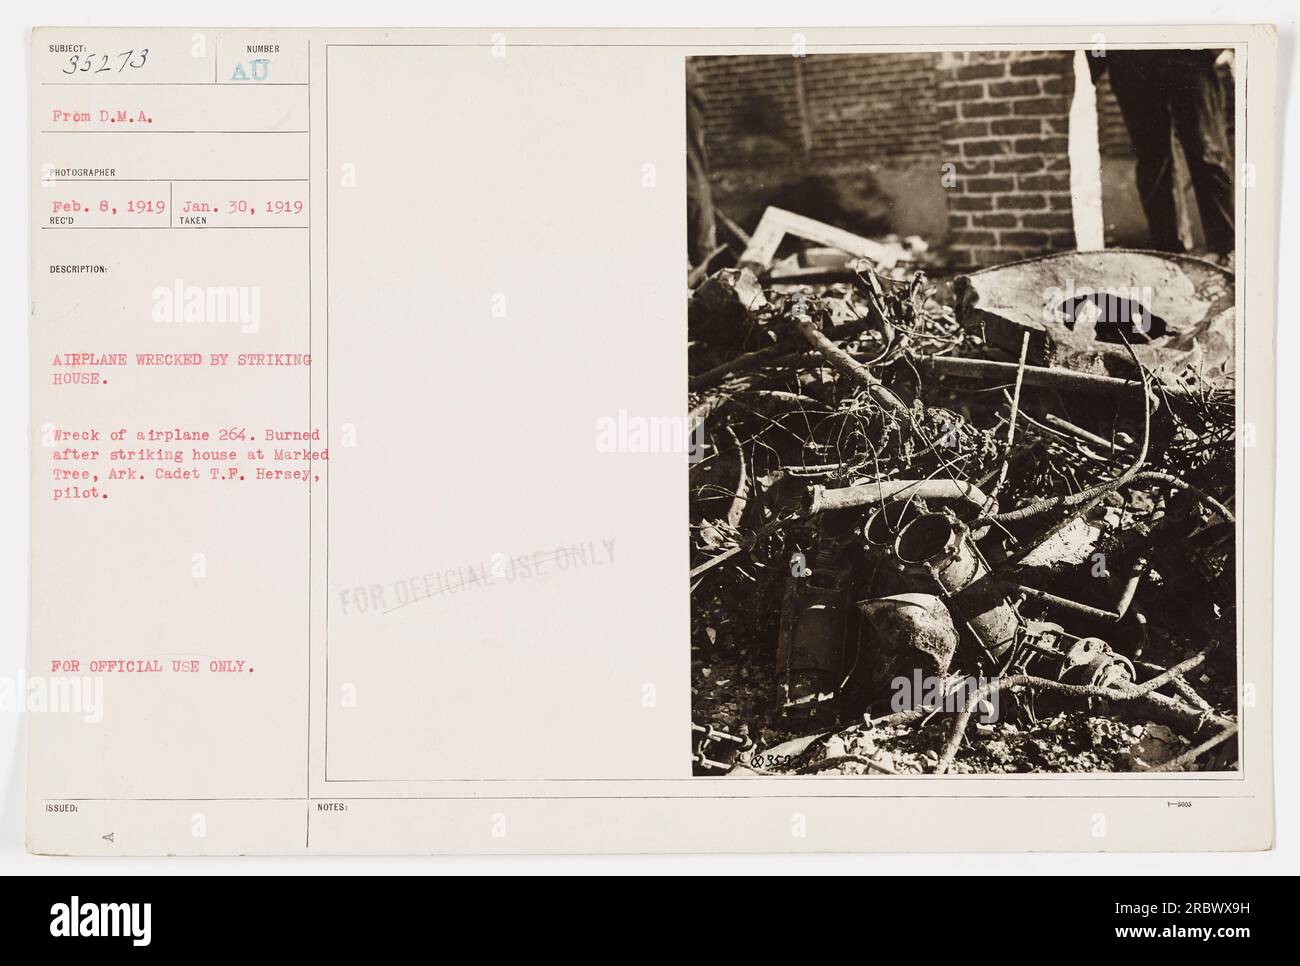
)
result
[(962, 373), (383, 504)]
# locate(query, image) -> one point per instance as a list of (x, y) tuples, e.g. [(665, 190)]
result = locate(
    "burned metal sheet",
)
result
[(1078, 307)]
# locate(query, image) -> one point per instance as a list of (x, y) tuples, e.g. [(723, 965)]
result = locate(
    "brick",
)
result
[(1052, 145), (978, 109), (1055, 219), (1002, 219), (1055, 64), (989, 185), (966, 129), (1041, 106), (971, 238), (1018, 165), (960, 92), (984, 149), (970, 203), (1022, 202), (1017, 125), (1016, 88), (981, 71), (1026, 239), (1061, 202), (1044, 182)]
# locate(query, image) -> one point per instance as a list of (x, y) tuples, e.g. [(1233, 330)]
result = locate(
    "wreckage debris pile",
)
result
[(929, 535)]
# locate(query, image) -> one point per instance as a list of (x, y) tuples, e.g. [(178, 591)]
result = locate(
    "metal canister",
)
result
[(937, 548)]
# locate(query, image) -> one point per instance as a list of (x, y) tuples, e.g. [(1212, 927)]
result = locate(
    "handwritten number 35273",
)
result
[(85, 63)]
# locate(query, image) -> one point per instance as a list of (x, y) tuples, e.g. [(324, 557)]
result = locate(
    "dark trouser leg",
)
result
[(1200, 119), (1138, 79)]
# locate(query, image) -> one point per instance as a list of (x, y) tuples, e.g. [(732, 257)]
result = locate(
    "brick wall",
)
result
[(882, 126), (1004, 118), (856, 108), (999, 118)]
